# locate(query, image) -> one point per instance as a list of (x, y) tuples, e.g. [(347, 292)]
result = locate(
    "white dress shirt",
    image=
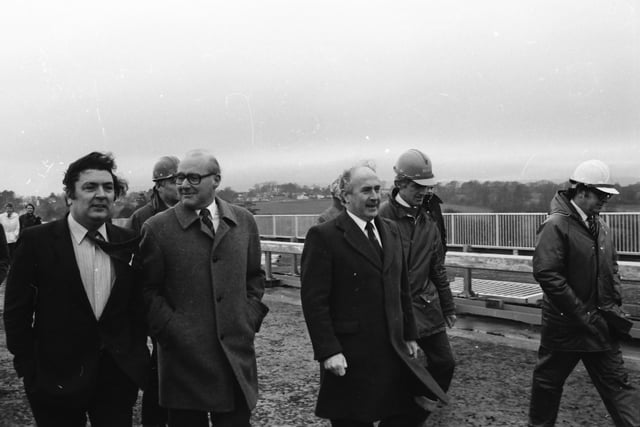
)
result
[(96, 269), (362, 224)]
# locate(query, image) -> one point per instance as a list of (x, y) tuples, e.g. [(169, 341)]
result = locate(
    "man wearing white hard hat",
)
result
[(575, 263)]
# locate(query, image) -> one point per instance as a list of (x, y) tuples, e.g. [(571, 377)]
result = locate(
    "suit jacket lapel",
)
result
[(388, 248), (65, 260), (356, 239)]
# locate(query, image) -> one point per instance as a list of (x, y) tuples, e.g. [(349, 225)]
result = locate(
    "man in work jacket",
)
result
[(433, 305), (164, 195), (575, 263)]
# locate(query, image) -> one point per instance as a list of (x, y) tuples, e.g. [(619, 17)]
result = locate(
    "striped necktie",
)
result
[(205, 217), (593, 225)]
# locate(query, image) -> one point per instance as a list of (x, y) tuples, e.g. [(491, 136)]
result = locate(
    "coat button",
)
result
[(214, 259), (219, 298), (221, 337)]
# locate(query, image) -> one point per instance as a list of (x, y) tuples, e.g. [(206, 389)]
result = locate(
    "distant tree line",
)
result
[(512, 196), (495, 196)]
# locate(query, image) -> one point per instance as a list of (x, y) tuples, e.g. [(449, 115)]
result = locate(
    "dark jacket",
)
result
[(28, 220), (359, 305), (155, 205), (4, 255), (578, 274), (430, 291), (51, 328), (203, 296), (432, 205)]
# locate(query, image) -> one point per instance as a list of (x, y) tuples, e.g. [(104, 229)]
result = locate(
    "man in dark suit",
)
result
[(203, 286), (73, 315), (357, 306)]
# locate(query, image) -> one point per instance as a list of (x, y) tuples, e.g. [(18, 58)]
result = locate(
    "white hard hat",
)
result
[(594, 173)]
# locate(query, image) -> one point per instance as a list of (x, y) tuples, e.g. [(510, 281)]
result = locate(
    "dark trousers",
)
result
[(440, 360), (607, 373), (239, 417), (152, 413), (110, 403)]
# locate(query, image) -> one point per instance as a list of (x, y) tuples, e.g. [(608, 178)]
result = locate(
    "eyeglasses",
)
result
[(193, 178)]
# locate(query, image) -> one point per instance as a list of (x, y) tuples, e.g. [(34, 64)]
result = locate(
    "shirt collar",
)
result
[(401, 201), (583, 215), (213, 209), (360, 222), (79, 232)]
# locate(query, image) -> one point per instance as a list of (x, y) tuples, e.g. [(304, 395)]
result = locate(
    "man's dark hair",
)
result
[(97, 161)]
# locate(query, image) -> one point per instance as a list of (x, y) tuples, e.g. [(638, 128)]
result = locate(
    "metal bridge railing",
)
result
[(488, 230)]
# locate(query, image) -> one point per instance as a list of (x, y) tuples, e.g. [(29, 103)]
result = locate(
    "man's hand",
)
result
[(336, 364), (412, 348), (450, 320)]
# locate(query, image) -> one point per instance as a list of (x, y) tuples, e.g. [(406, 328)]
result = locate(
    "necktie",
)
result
[(593, 225), (119, 250), (205, 217), (372, 239)]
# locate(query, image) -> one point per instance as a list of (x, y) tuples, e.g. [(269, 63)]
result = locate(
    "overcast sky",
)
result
[(296, 90)]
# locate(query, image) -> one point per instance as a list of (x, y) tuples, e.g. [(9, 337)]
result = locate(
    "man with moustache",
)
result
[(433, 304), (72, 310), (203, 285), (164, 195), (575, 262), (357, 306)]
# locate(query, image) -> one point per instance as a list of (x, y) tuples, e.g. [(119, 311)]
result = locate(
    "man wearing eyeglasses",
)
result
[(575, 262), (203, 285)]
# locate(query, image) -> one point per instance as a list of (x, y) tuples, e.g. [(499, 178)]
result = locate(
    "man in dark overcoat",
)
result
[(357, 307), (576, 264), (203, 284), (73, 313), (433, 304)]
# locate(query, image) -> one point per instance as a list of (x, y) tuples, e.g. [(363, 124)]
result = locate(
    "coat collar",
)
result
[(187, 216)]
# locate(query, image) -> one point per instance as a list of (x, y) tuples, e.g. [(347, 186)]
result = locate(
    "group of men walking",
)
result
[(83, 295)]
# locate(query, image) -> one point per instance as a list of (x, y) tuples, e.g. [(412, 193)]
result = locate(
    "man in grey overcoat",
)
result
[(203, 284)]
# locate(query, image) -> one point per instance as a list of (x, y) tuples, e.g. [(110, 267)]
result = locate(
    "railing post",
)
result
[(467, 290), (294, 268), (267, 266), (497, 230)]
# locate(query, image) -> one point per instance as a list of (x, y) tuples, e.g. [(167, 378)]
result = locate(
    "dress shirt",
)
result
[(96, 269), (362, 224), (215, 215)]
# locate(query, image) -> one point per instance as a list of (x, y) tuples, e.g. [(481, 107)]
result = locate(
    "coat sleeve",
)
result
[(255, 277), (19, 305), (150, 268), (315, 294), (439, 278), (549, 260), (410, 329)]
